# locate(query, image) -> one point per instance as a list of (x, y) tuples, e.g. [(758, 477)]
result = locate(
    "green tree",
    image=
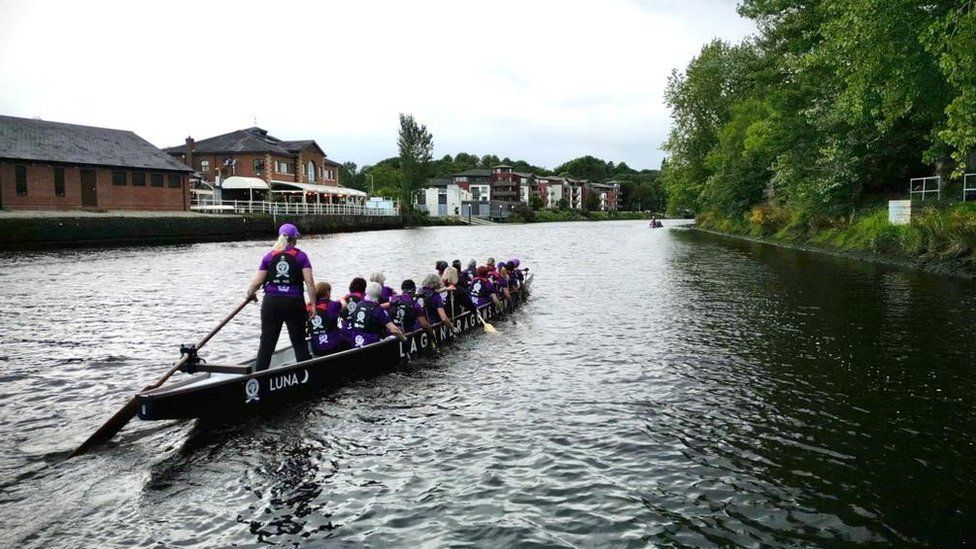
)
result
[(536, 202), (415, 144)]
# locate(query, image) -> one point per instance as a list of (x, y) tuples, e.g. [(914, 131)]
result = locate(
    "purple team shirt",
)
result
[(286, 290), (359, 339), (418, 311), (328, 341)]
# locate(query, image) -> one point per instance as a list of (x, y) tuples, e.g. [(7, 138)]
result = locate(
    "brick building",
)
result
[(298, 170), (56, 166), (253, 153)]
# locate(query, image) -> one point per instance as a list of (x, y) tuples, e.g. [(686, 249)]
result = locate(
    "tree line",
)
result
[(399, 176), (832, 104)]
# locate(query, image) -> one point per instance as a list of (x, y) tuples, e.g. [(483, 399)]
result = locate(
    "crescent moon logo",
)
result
[(306, 376)]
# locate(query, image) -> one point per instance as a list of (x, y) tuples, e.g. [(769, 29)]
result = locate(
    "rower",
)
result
[(501, 285), (387, 292), (462, 292), (472, 270), (282, 273), (356, 290), (432, 302), (448, 287), (368, 322), (323, 328), (482, 290), (440, 266), (406, 313)]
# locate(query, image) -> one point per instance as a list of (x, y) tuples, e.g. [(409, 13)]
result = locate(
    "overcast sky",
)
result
[(534, 80)]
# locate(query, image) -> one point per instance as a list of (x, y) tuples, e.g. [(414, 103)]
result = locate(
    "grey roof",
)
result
[(477, 172), (250, 140), (439, 182), (39, 140)]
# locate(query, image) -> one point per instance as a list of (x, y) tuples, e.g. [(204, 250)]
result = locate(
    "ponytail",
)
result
[(280, 244)]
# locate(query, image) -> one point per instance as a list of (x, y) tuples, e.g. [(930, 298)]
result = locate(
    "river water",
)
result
[(662, 387)]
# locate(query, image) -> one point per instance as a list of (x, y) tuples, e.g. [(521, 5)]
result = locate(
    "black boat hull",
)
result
[(211, 394)]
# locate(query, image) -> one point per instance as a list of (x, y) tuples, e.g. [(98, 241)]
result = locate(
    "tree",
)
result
[(536, 202), (490, 160), (591, 202), (415, 144)]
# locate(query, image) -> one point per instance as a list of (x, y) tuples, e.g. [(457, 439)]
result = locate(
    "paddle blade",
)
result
[(110, 428), (489, 329)]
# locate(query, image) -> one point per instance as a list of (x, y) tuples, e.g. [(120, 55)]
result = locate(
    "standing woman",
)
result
[(282, 273)]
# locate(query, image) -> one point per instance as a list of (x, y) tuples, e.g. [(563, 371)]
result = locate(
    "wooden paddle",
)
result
[(131, 408)]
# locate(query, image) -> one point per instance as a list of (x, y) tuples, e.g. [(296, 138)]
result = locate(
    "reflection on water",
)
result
[(662, 387)]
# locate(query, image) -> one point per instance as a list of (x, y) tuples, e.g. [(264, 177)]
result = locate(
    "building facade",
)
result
[(56, 166)]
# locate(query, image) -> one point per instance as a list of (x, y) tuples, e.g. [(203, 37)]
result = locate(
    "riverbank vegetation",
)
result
[(804, 131)]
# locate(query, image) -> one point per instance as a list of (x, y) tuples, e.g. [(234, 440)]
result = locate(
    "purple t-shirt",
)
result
[(327, 340), (500, 286), (418, 311), (286, 290), (358, 338), (484, 284), (386, 294)]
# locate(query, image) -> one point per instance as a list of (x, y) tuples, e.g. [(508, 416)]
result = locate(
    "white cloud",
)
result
[(544, 81)]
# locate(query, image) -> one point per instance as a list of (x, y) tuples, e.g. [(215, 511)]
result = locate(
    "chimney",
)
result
[(190, 145)]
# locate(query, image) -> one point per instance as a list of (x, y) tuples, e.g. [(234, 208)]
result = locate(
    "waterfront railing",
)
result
[(291, 208)]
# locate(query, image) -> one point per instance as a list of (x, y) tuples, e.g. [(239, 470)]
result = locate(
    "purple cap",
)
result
[(516, 262), (289, 230)]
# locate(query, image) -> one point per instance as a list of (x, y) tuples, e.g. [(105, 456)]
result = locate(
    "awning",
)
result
[(320, 189), (241, 182)]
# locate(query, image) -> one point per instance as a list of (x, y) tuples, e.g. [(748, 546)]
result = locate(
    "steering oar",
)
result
[(127, 412)]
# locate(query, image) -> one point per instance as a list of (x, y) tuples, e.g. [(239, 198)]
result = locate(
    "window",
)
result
[(283, 167), (311, 171), (258, 165), (58, 181), (205, 165), (21, 175), (175, 181), (138, 179), (156, 179), (118, 178), (442, 197)]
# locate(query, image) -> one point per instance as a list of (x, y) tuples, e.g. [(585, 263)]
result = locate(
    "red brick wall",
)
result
[(41, 195)]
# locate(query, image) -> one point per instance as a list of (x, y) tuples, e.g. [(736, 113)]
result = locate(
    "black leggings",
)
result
[(276, 310)]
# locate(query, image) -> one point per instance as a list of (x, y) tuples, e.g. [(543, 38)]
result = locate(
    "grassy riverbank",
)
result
[(941, 237)]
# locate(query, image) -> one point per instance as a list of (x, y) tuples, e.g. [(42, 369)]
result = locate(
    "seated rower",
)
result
[(432, 302), (357, 288), (472, 270), (325, 336), (482, 291), (451, 291), (462, 288), (440, 266), (501, 286), (406, 313), (387, 292), (368, 322)]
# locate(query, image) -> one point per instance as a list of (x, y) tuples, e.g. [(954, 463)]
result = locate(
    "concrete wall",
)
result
[(18, 232)]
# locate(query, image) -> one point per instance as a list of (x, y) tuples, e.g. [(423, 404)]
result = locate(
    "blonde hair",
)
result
[(281, 243), (450, 276)]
